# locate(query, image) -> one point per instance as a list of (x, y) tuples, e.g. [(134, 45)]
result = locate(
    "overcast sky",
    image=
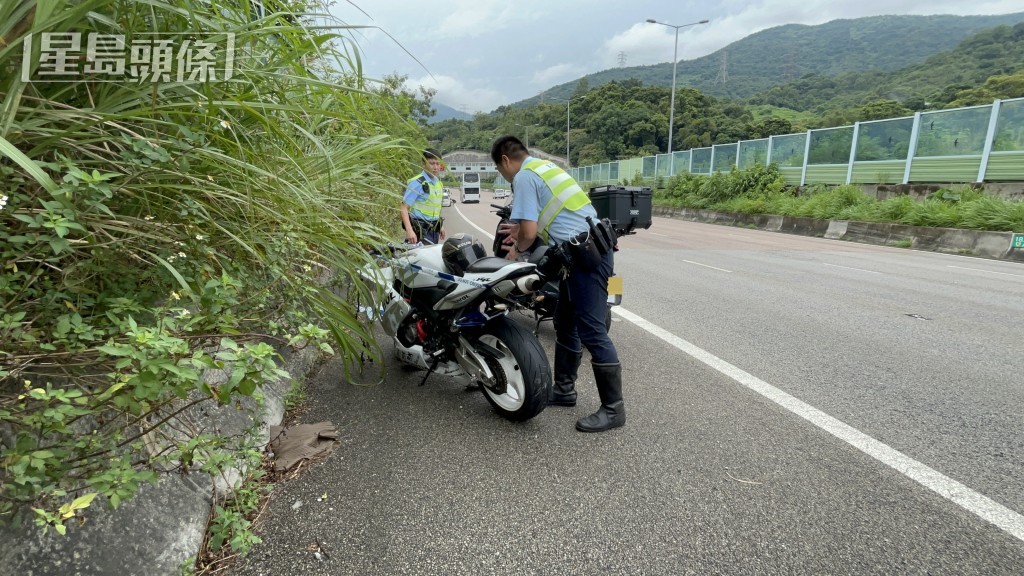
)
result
[(482, 54)]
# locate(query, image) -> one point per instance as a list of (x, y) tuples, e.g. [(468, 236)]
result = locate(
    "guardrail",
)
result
[(960, 145)]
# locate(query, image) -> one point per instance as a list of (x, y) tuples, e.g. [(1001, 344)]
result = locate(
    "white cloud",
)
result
[(556, 75), (454, 92)]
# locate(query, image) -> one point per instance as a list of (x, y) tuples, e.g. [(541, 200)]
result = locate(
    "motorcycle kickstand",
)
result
[(433, 366)]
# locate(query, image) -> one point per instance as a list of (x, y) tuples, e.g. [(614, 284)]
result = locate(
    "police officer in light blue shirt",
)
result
[(421, 202), (551, 206), (532, 194)]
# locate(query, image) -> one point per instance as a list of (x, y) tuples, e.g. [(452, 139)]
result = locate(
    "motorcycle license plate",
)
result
[(615, 290)]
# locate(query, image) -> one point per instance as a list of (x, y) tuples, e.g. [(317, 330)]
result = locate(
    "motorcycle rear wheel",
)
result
[(523, 370)]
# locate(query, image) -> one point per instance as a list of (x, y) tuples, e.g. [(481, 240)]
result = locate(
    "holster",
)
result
[(553, 261), (583, 251), (603, 234)]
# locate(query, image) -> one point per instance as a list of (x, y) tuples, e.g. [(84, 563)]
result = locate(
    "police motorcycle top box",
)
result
[(445, 306)]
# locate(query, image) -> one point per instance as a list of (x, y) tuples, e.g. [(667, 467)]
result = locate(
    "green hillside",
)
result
[(787, 53), (628, 118), (949, 79)]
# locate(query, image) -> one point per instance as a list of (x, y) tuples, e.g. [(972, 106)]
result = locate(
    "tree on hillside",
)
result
[(1000, 86)]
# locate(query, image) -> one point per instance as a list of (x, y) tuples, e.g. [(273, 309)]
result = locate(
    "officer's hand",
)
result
[(444, 234), (511, 229), (410, 237)]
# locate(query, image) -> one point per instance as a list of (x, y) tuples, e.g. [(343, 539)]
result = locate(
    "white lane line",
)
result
[(978, 504), (988, 271), (662, 235), (485, 232), (706, 266), (848, 268)]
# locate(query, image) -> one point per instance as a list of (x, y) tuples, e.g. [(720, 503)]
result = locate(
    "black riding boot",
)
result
[(567, 363), (612, 412)]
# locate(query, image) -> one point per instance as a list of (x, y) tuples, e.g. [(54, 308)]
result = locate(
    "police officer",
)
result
[(421, 203), (551, 206)]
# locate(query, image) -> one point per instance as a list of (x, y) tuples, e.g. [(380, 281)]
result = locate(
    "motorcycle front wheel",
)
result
[(522, 376)]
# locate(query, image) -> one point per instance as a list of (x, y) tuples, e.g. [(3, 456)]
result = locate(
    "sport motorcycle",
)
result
[(446, 308)]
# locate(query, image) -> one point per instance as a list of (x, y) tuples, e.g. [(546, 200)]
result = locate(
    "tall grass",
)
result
[(152, 230)]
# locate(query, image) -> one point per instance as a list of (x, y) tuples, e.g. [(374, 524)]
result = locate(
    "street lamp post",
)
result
[(528, 126), (675, 62), (567, 163)]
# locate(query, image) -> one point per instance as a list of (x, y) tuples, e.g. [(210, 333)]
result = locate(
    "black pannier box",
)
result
[(628, 207)]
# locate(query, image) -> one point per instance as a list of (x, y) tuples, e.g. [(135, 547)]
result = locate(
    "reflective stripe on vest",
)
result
[(566, 194), (429, 207)]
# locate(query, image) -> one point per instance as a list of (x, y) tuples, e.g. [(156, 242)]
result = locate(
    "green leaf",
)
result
[(115, 350), (9, 150), (247, 386)]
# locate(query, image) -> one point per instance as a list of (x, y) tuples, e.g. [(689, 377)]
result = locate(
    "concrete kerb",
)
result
[(994, 245), (163, 526)]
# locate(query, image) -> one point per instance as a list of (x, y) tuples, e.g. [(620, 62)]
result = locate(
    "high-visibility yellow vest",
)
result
[(429, 207), (566, 194)]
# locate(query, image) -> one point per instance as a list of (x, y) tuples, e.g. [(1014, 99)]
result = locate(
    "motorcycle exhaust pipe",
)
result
[(529, 283)]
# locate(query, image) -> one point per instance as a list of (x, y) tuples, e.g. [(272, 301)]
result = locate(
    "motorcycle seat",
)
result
[(487, 264)]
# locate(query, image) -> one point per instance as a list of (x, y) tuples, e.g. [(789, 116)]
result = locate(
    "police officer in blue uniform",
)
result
[(551, 208), (421, 202)]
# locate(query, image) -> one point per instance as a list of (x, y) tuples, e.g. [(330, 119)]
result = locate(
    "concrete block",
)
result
[(804, 226), (997, 245), (837, 229), (868, 232)]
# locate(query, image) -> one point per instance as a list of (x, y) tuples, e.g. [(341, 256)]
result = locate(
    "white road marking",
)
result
[(485, 232), (706, 266), (988, 271), (662, 235), (974, 502), (848, 268)]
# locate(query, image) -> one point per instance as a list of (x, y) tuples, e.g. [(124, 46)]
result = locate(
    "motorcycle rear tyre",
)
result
[(525, 369)]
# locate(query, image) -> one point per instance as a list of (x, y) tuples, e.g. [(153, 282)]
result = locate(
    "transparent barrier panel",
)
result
[(702, 161), (959, 132), (830, 145), (663, 161), (884, 140), (725, 158), (788, 150), (1010, 127), (681, 162), (753, 152), (649, 166)]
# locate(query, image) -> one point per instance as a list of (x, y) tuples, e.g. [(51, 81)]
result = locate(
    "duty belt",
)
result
[(432, 225)]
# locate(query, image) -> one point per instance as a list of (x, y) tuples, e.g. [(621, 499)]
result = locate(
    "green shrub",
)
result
[(934, 213), (994, 214)]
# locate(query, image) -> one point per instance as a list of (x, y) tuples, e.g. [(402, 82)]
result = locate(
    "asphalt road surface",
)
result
[(795, 406)]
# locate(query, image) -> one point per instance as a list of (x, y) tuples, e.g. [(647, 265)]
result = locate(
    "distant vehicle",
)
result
[(470, 188), (500, 193), (447, 199)]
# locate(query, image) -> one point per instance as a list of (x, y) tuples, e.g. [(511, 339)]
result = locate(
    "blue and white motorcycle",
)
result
[(446, 309)]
